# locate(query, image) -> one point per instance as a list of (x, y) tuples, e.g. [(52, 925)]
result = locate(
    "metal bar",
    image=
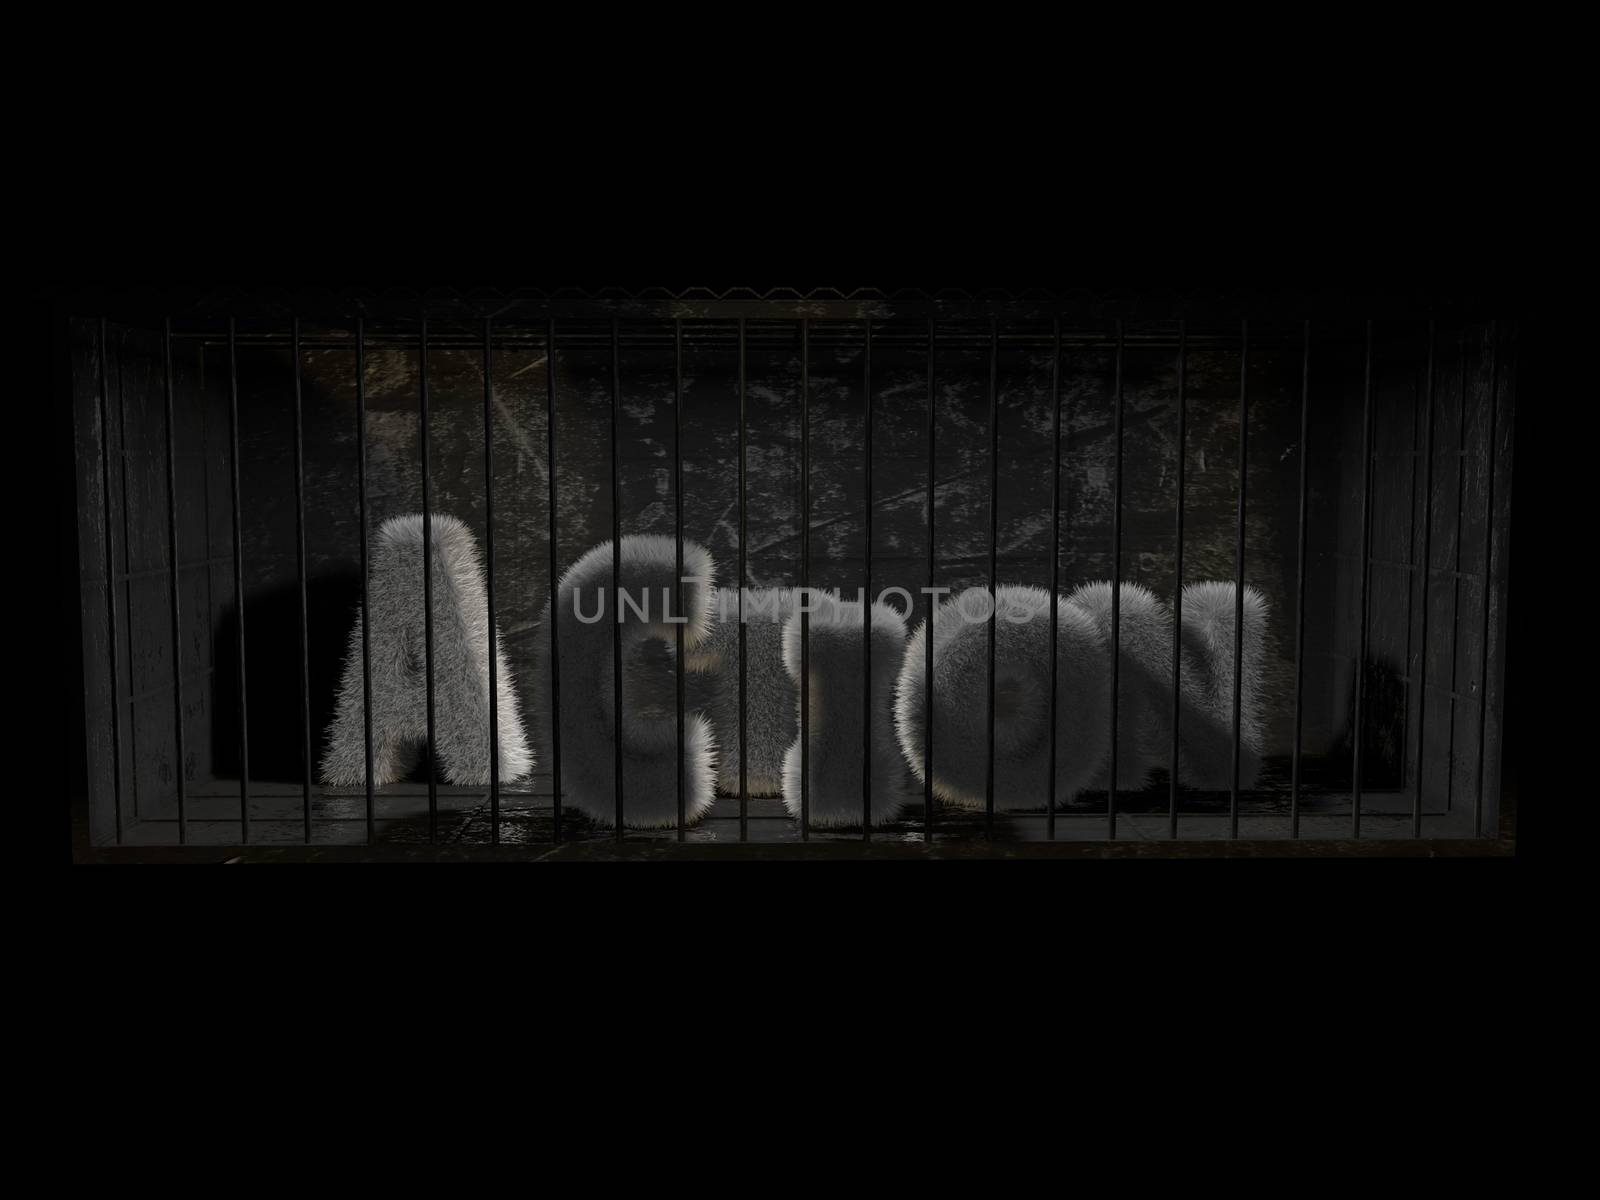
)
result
[(1238, 573), (1366, 551), (744, 791), (1488, 572), (300, 576), (930, 601), (427, 585), (1427, 560), (238, 585), (1055, 566), (180, 768), (1116, 594), (127, 576), (805, 579), (555, 579), (677, 575), (1411, 572), (488, 537), (366, 615), (616, 576), (1455, 611), (1177, 587), (994, 546), (1300, 589), (866, 607), (111, 586)]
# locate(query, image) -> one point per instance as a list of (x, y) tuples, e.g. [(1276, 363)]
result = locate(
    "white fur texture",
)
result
[(771, 720), (1022, 691), (649, 720), (399, 681), (1206, 724), (1083, 735), (835, 690)]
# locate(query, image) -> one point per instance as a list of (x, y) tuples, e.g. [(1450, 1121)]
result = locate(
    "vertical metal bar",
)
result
[(805, 579), (111, 582), (1366, 554), (744, 791), (366, 616), (1238, 572), (677, 575), (1055, 564), (127, 568), (1427, 576), (1488, 575), (866, 608), (427, 587), (1455, 582), (1300, 587), (616, 575), (172, 562), (930, 601), (238, 580), (1116, 594), (205, 485), (994, 545), (555, 580), (300, 575), (1409, 677), (1177, 587), (488, 537)]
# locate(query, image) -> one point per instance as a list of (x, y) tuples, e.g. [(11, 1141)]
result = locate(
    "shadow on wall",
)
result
[(272, 647), (1383, 720)]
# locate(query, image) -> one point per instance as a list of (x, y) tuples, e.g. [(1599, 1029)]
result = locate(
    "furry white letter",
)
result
[(649, 691), (399, 679), (770, 695), (838, 712)]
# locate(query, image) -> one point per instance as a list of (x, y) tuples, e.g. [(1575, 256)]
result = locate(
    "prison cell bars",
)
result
[(300, 577), (1409, 561), (931, 599), (427, 584), (1300, 586), (1116, 591), (744, 790), (127, 578), (1427, 576), (616, 574), (238, 581), (179, 771), (994, 546), (866, 600), (1488, 574), (677, 575), (1238, 571), (1366, 557), (488, 532), (555, 581), (111, 586), (1177, 587), (805, 579), (1055, 563), (366, 617), (1490, 452), (1455, 618)]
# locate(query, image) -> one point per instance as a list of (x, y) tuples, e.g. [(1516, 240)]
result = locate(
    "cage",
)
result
[(1348, 463)]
